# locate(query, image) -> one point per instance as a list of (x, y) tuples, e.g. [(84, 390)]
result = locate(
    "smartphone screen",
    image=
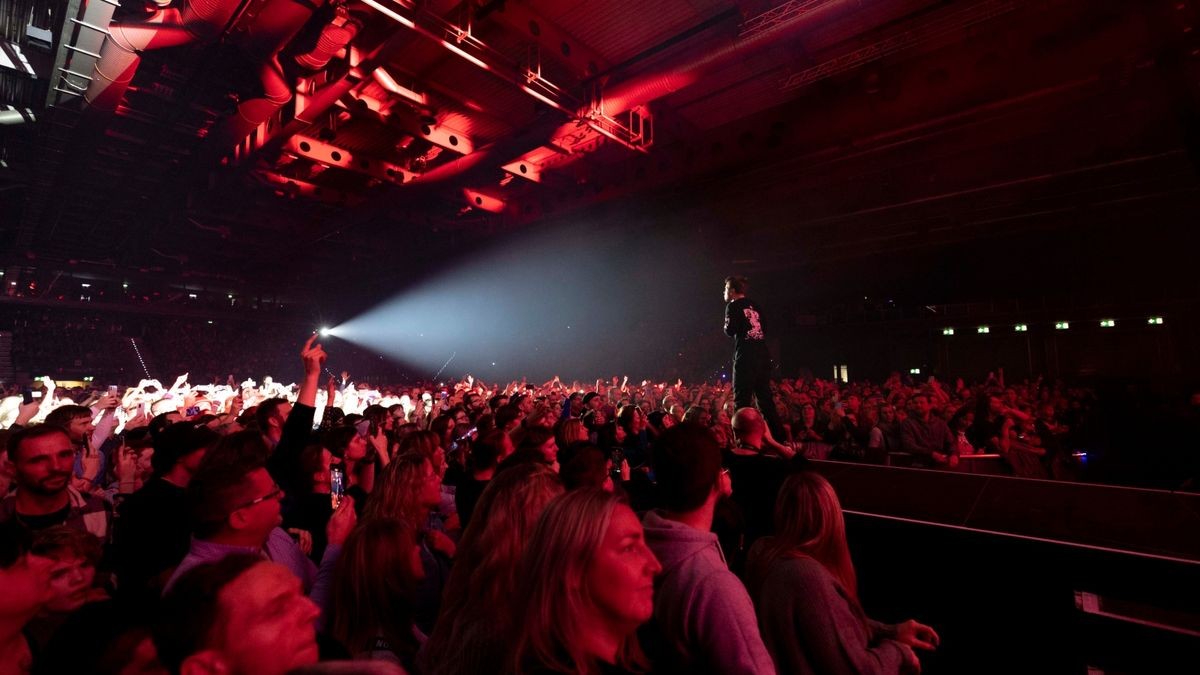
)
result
[(337, 486)]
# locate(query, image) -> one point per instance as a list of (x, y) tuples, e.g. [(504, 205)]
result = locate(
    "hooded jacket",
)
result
[(703, 621)]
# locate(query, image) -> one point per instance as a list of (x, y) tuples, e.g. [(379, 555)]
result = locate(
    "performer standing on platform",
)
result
[(751, 360)]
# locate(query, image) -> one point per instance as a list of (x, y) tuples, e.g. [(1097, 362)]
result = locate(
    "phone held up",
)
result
[(337, 486)]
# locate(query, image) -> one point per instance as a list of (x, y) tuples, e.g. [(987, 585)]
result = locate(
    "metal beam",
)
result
[(328, 154)]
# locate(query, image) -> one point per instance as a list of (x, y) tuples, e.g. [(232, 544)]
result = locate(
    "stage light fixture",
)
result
[(947, 331), (983, 329), (324, 331), (1107, 323), (1155, 321), (1062, 325), (914, 371), (1021, 328)]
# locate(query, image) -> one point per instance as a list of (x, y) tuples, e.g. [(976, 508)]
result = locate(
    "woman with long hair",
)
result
[(587, 583), (806, 593), (374, 590), (479, 594), (409, 489)]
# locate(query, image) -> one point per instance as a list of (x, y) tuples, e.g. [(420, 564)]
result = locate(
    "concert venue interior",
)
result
[(957, 243)]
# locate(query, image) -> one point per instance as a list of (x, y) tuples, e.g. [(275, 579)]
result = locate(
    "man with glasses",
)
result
[(234, 504)]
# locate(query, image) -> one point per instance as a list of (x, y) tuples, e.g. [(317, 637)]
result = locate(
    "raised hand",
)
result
[(313, 356), (341, 522)]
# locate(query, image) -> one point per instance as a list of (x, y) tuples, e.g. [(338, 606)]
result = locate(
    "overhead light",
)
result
[(1021, 328), (1061, 325), (192, 296), (542, 97), (86, 285), (465, 54), (983, 329), (394, 15), (1155, 321), (914, 371), (125, 286), (1107, 323), (947, 331)]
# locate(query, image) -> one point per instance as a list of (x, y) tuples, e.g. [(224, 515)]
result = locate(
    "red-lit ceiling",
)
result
[(843, 121)]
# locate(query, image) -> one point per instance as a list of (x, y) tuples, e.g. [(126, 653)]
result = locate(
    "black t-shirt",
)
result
[(743, 323), (45, 520), (311, 512), (151, 535), (466, 496), (756, 482)]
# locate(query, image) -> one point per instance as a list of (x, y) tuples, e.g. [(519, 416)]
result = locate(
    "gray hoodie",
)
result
[(704, 621)]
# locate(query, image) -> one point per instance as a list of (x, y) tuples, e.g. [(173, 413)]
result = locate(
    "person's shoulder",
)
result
[(802, 571)]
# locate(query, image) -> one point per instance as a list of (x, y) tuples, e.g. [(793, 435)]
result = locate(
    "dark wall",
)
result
[(1133, 349)]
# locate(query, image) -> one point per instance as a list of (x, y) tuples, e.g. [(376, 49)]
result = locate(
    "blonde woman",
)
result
[(805, 589), (587, 583), (410, 489), (479, 594), (374, 589)]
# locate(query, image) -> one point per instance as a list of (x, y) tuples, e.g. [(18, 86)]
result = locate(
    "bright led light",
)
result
[(324, 331), (466, 55), (1062, 325), (1021, 328), (983, 329), (914, 371), (947, 331), (1107, 323), (192, 296), (384, 10), (1155, 321)]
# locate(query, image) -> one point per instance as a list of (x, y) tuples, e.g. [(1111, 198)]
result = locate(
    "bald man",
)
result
[(757, 464)]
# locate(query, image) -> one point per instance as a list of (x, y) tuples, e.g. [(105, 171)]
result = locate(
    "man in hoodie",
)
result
[(704, 621)]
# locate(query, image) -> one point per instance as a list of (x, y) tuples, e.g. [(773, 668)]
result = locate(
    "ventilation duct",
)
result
[(276, 24), (198, 21)]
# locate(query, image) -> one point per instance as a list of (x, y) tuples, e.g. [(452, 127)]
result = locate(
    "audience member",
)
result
[(42, 460), (703, 619), (373, 599), (479, 596), (587, 584), (153, 535), (236, 614), (803, 582)]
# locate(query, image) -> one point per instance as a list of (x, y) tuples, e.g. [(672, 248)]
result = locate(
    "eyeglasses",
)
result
[(273, 494)]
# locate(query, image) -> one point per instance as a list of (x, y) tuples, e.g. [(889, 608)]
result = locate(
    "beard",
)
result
[(50, 485)]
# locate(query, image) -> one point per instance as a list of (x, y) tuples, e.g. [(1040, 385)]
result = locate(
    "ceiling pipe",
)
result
[(336, 34), (197, 21), (647, 88), (277, 22), (10, 115), (326, 96)]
